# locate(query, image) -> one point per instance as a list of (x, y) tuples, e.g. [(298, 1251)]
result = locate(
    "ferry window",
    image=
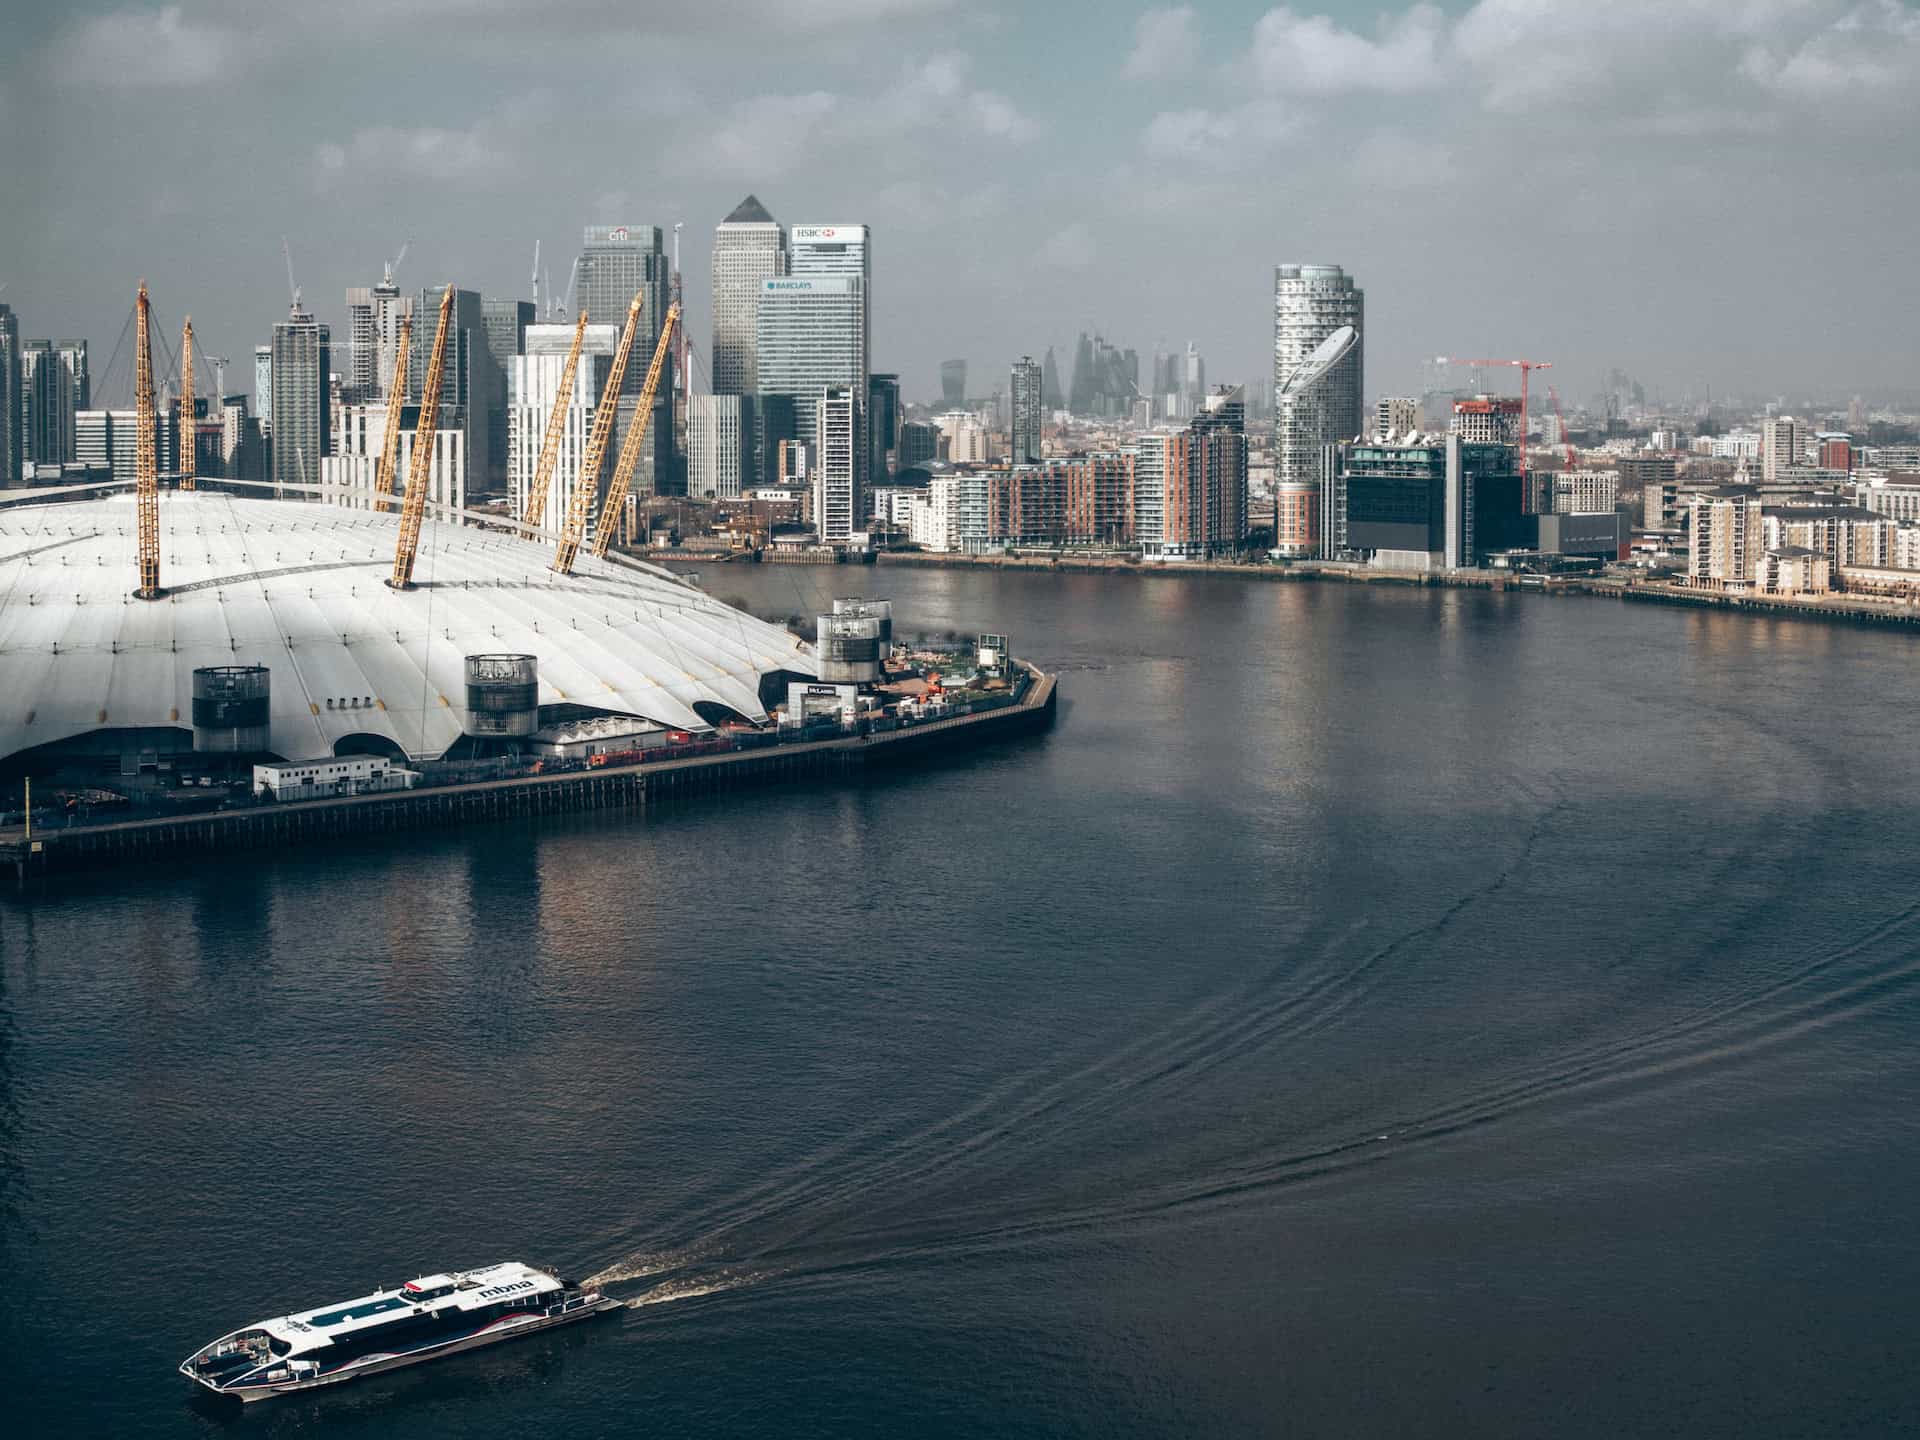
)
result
[(277, 1345)]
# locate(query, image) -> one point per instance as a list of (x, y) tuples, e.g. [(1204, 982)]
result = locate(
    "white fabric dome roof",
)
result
[(300, 588)]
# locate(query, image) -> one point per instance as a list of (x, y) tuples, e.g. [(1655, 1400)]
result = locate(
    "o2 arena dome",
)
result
[(292, 597)]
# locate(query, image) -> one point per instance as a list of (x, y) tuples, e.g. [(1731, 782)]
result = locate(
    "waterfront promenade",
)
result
[(1837, 608)]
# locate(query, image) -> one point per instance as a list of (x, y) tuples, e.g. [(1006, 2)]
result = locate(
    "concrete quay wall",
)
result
[(52, 851)]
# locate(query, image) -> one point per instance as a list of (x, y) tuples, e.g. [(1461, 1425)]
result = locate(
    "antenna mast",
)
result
[(580, 504), (187, 430), (146, 462), (420, 469)]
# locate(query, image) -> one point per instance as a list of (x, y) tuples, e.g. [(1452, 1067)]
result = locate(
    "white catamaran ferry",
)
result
[(422, 1320)]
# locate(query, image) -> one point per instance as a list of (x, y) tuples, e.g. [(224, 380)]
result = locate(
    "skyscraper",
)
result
[(263, 385), (302, 363), (1025, 389), (953, 384), (749, 246), (883, 424), (811, 335), (1310, 304), (534, 387), (473, 388), (720, 445), (1051, 396), (1106, 379), (615, 262), (506, 323), (374, 314), (54, 388), (1218, 457), (1783, 443), (11, 451), (838, 250), (839, 473)]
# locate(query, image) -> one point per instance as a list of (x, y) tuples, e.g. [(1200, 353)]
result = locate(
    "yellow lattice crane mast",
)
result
[(146, 472), (580, 504), (187, 433), (396, 401), (636, 432), (536, 507), (420, 467)]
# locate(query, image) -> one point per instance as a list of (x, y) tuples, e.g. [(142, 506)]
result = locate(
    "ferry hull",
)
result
[(510, 1328)]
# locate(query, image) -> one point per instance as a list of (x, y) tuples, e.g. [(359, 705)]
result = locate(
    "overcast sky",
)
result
[(1703, 192)]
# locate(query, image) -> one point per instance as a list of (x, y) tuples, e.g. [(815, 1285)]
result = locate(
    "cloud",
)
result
[(1298, 54), (386, 151), (1219, 137), (1394, 160), (922, 114), (1729, 57), (1069, 248), (1628, 69), (484, 154), (1164, 44), (141, 49), (767, 134), (1869, 52)]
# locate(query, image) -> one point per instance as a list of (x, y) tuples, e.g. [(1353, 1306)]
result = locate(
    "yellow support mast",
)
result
[(636, 432), (580, 505), (146, 462), (187, 433), (396, 402), (420, 468), (536, 506)]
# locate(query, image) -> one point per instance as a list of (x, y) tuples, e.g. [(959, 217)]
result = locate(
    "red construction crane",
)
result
[(1526, 369)]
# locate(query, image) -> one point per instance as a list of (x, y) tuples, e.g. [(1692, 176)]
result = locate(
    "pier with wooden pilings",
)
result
[(51, 851)]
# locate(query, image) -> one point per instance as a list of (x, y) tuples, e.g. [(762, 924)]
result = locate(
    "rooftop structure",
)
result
[(356, 667)]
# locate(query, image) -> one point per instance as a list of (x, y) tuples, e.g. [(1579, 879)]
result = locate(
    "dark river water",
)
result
[(1366, 1013)]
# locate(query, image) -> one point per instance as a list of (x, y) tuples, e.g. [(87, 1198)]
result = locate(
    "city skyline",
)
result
[(1582, 213)]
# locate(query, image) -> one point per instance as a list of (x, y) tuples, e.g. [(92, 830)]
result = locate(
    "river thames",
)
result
[(1367, 1012)]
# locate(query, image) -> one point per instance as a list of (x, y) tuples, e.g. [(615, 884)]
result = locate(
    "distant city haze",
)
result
[(1710, 197)]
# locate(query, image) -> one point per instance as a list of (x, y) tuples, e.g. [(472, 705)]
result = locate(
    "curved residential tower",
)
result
[(1310, 304)]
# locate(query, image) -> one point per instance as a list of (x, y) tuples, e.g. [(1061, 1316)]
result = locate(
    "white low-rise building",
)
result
[(334, 775)]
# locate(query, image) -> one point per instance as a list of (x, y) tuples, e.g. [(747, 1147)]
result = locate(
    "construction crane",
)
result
[(580, 505), (146, 462), (1526, 369), (420, 470), (219, 363), (390, 438), (622, 480), (187, 428), (292, 288), (536, 506), (394, 264), (536, 279)]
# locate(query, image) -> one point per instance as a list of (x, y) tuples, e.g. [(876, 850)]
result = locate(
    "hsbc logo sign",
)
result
[(829, 232)]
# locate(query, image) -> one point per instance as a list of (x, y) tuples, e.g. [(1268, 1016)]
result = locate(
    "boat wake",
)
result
[(693, 1287)]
